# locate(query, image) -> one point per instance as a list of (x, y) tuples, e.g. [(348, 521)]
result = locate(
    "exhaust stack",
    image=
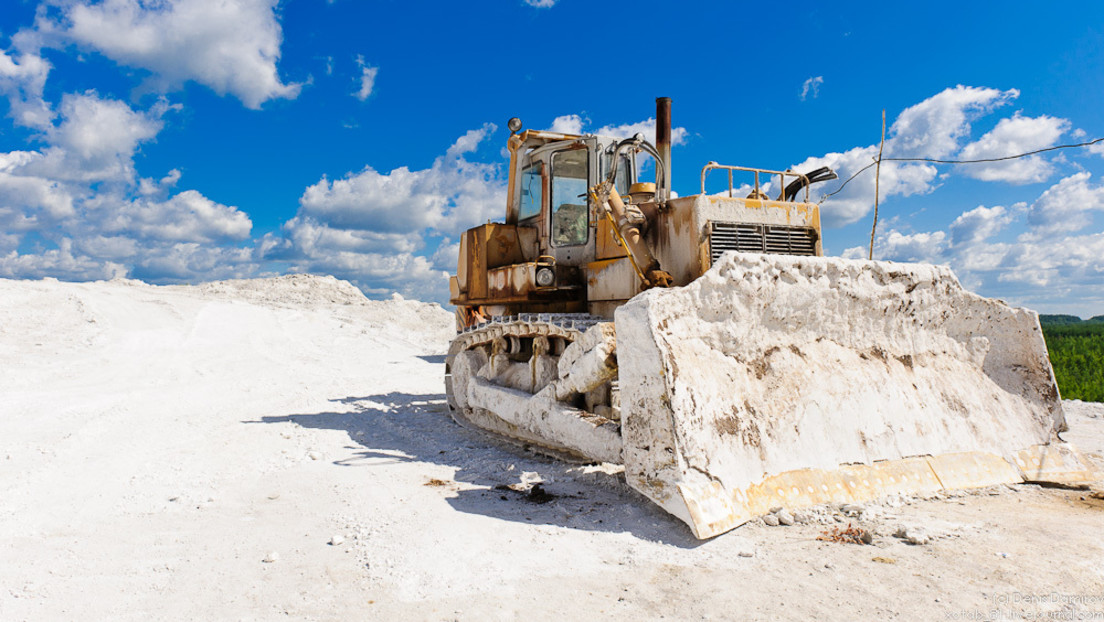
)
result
[(663, 144)]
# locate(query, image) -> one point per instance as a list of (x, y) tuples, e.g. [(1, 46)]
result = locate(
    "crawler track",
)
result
[(565, 327)]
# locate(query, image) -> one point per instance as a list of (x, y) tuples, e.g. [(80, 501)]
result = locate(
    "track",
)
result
[(514, 336)]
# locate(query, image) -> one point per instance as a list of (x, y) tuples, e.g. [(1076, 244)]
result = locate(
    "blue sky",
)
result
[(191, 140)]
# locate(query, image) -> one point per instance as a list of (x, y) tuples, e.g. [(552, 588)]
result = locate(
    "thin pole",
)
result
[(877, 178)]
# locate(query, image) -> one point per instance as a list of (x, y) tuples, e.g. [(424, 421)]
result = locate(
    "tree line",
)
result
[(1077, 354)]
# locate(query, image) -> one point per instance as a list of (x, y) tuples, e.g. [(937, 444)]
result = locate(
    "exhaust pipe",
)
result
[(663, 144)]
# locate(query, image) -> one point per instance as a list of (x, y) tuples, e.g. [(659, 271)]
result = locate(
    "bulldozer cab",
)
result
[(549, 179)]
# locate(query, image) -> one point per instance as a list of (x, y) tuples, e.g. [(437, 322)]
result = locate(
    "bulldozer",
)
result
[(706, 344)]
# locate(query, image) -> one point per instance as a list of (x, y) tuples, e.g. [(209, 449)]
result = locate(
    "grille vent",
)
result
[(751, 238)]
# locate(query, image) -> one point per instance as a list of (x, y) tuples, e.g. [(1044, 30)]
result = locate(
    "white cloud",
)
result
[(1067, 206), (857, 198), (933, 128), (231, 46), (925, 246), (855, 252), (367, 79), (22, 81), (81, 195), (979, 224), (541, 4), (452, 194), (313, 239), (60, 263), (568, 124), (812, 85), (185, 217), (646, 127), (366, 226), (96, 139), (1045, 268), (576, 124), (1013, 136)]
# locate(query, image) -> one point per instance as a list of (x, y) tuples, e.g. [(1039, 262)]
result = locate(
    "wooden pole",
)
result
[(877, 179)]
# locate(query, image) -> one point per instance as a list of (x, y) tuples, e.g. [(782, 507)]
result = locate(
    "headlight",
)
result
[(545, 277)]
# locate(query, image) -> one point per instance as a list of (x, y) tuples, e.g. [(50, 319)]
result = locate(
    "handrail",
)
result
[(782, 174)]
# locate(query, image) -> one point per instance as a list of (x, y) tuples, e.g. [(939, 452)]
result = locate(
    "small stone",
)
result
[(913, 535), (272, 557), (1005, 555), (867, 537), (315, 455), (746, 553), (771, 520), (337, 540), (785, 517), (776, 509), (852, 509)]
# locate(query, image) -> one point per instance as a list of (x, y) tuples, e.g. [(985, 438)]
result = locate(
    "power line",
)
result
[(938, 161)]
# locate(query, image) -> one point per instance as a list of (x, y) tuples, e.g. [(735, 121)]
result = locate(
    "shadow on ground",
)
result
[(418, 428)]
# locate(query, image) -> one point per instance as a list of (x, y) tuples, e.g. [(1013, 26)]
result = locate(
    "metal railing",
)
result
[(781, 174)]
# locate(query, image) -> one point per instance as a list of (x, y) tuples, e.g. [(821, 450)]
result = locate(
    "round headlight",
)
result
[(545, 277), (514, 124)]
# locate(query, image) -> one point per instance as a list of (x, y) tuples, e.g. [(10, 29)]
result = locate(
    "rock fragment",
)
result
[(913, 535)]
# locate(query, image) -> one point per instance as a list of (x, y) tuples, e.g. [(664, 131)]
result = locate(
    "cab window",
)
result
[(569, 200), (531, 191), (624, 173)]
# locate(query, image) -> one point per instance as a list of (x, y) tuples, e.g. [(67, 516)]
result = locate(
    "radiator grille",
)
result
[(751, 238)]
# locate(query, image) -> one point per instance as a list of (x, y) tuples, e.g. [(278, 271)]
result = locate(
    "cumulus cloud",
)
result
[(978, 224), (1049, 263), (22, 80), (934, 127), (367, 79), (231, 46), (367, 226), (811, 87), (96, 139), (568, 124), (61, 263), (452, 193), (1067, 206), (924, 246), (576, 124), (185, 217), (1013, 136), (857, 198), (95, 219)]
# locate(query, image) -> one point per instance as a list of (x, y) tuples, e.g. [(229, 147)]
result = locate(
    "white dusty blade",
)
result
[(789, 381)]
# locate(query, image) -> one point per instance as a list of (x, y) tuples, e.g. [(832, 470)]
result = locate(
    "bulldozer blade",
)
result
[(790, 381)]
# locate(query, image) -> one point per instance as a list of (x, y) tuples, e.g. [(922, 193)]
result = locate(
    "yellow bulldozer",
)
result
[(705, 343)]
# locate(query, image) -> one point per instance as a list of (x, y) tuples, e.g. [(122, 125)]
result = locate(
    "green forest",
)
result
[(1077, 353)]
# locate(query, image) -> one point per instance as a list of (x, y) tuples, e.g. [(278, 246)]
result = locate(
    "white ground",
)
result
[(159, 444)]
